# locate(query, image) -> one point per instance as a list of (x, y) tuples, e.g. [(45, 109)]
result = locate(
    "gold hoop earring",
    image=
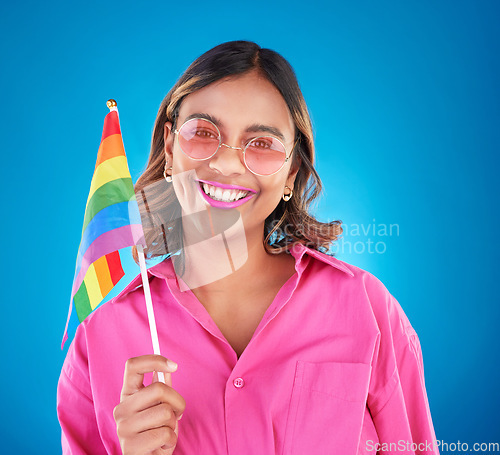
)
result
[(166, 176), (287, 197)]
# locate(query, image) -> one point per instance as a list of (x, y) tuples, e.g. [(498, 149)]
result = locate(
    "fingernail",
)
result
[(171, 365), (180, 417)]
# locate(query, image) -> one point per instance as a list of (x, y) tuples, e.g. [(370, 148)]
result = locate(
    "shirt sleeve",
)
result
[(75, 407), (397, 398)]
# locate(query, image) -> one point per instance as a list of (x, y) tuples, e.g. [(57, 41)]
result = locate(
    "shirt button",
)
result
[(239, 383)]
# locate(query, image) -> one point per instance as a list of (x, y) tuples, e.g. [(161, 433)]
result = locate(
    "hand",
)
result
[(147, 417)]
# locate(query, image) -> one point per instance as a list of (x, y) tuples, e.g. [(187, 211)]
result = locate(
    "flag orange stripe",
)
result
[(103, 275), (110, 147)]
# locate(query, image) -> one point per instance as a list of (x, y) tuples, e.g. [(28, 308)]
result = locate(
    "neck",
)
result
[(221, 255)]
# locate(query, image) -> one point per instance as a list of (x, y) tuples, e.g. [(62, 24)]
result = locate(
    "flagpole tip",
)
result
[(111, 103)]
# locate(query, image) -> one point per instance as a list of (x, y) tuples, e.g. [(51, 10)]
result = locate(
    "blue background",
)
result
[(404, 98)]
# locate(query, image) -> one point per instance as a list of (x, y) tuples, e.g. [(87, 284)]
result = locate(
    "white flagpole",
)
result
[(149, 307)]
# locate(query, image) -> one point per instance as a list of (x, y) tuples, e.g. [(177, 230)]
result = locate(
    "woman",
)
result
[(280, 348)]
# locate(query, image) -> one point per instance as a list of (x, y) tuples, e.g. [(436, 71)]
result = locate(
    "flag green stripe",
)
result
[(82, 303), (114, 192)]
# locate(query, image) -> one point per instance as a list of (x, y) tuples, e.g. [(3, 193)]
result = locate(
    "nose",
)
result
[(228, 160)]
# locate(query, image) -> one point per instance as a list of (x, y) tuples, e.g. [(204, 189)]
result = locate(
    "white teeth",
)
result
[(226, 195)]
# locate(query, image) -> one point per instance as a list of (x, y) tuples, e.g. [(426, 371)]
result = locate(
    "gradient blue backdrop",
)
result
[(404, 98)]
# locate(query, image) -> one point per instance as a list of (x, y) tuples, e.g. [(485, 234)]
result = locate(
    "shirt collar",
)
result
[(165, 268), (298, 251)]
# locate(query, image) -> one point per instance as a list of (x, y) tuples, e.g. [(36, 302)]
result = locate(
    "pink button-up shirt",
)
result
[(334, 367)]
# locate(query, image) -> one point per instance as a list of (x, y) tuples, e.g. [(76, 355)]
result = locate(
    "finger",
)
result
[(137, 367), (176, 431), (152, 440), (161, 415), (152, 395)]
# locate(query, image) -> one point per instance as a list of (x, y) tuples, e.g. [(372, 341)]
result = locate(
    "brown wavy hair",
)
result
[(290, 222)]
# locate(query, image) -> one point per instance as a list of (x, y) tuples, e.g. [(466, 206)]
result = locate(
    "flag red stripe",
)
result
[(111, 140), (111, 125), (115, 266)]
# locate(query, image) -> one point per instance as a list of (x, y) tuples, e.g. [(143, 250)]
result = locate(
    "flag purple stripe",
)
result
[(107, 243)]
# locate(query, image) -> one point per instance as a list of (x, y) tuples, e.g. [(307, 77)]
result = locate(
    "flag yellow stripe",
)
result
[(112, 169), (93, 288)]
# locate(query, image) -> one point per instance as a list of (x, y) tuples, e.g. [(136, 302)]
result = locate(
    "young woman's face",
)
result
[(243, 107)]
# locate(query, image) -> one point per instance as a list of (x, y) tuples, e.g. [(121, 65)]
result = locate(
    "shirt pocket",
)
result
[(327, 407)]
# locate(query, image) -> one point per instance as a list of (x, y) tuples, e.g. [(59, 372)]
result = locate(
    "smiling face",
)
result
[(243, 108)]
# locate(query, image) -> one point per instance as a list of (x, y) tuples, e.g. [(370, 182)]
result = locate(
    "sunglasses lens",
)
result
[(265, 155), (199, 139)]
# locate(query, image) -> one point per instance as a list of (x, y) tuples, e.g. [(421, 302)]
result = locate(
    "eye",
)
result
[(261, 143), (204, 133)]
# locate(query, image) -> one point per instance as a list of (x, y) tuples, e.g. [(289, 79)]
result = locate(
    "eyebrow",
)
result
[(205, 116), (255, 128)]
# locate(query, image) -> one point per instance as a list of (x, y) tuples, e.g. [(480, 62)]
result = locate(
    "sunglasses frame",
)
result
[(243, 149)]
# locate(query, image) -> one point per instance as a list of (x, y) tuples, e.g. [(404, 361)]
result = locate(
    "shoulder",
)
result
[(129, 303), (118, 328), (361, 288), (105, 316), (351, 276)]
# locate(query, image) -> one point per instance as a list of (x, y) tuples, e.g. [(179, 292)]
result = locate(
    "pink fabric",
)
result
[(334, 367)]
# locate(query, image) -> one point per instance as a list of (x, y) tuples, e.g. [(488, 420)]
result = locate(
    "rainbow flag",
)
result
[(111, 222)]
